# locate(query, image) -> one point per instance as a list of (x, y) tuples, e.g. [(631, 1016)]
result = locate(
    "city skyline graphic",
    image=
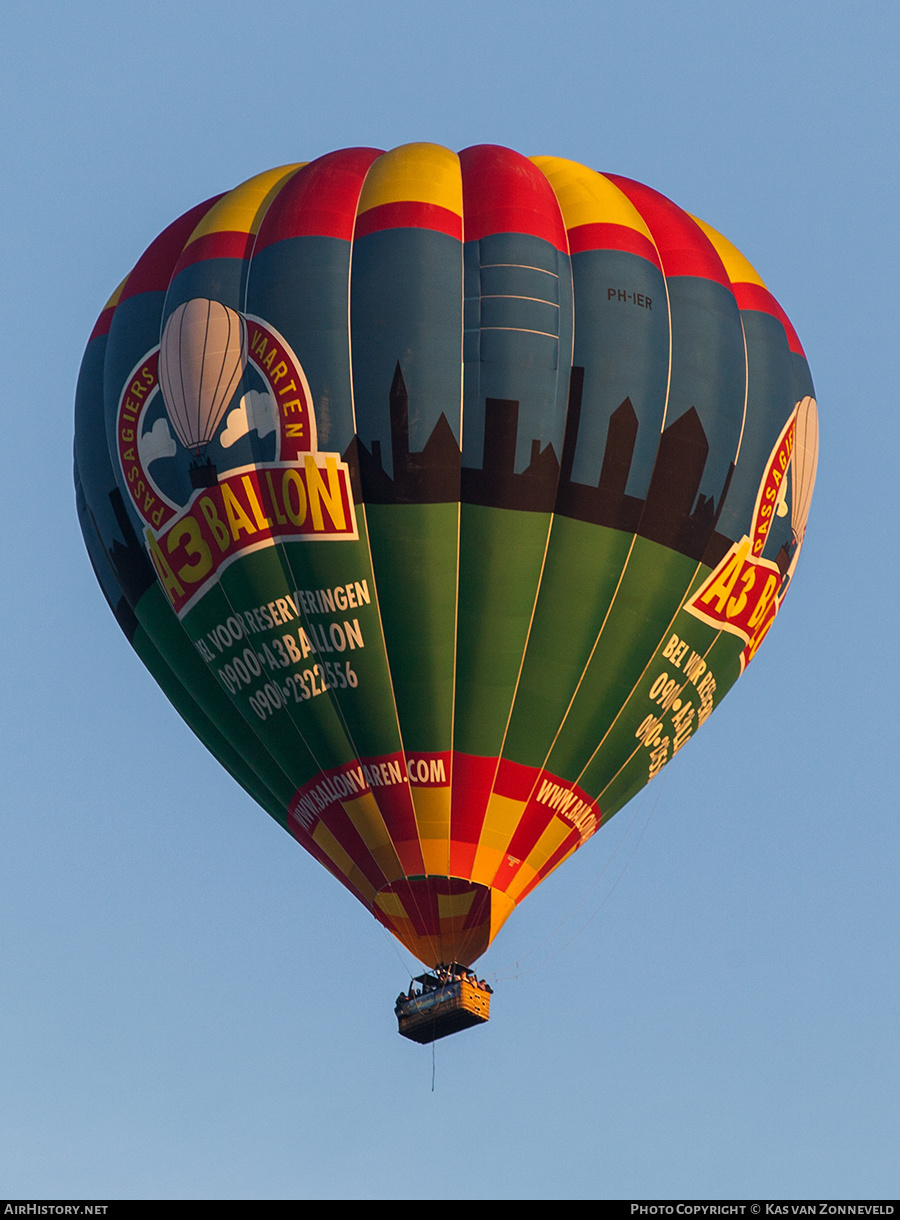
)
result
[(674, 512)]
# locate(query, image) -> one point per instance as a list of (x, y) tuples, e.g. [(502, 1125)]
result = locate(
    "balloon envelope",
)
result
[(202, 356), (514, 466)]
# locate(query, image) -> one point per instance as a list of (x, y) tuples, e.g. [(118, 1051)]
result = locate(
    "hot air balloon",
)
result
[(513, 465), (202, 357)]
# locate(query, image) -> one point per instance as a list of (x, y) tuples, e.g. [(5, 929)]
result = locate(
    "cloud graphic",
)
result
[(258, 411), (157, 443)]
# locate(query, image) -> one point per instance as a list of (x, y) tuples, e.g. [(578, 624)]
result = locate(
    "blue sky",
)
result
[(704, 1002)]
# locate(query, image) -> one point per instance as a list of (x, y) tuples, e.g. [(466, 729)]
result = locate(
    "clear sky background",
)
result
[(705, 1001)]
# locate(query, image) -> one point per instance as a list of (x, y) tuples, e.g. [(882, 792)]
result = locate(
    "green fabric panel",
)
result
[(414, 548)]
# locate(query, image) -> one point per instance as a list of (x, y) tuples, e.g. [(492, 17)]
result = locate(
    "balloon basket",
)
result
[(203, 474), (443, 1006)]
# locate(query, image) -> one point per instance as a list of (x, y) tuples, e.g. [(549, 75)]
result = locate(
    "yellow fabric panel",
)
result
[(586, 197), (242, 210), (487, 861), (525, 874), (436, 856), (740, 271), (502, 906), (361, 882), (424, 173), (432, 807), (366, 817), (501, 821), (549, 842), (391, 905), (455, 906), (114, 299), (336, 854)]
